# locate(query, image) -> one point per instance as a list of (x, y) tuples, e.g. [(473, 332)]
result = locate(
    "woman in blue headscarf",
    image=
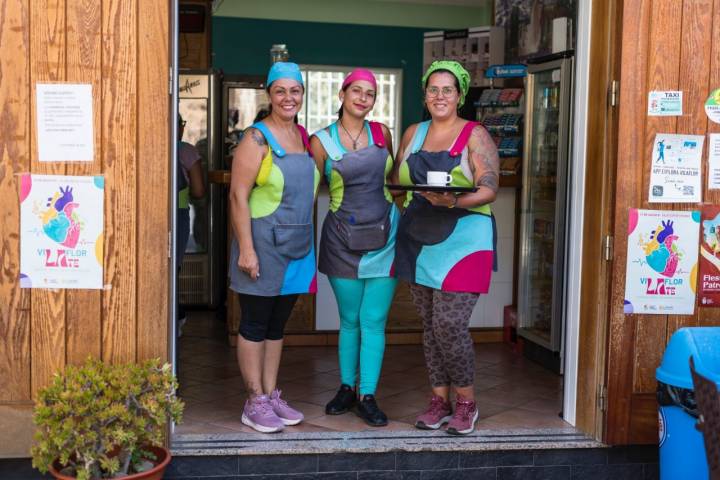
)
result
[(272, 193)]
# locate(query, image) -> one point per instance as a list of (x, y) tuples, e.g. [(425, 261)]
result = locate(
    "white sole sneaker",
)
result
[(452, 431), (434, 426), (260, 428), (288, 422)]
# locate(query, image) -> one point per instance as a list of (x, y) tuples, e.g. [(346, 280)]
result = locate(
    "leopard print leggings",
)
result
[(448, 346)]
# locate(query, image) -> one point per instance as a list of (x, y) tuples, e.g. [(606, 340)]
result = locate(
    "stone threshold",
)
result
[(377, 442)]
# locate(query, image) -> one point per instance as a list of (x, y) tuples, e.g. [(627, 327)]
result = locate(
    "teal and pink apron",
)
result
[(449, 249)]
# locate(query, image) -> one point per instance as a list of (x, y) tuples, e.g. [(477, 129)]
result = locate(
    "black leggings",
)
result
[(264, 318)]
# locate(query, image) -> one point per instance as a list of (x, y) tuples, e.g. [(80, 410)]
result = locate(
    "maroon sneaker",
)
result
[(437, 414), (464, 418)]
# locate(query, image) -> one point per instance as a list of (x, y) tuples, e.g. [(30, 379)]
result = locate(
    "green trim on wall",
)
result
[(437, 15), (241, 46)]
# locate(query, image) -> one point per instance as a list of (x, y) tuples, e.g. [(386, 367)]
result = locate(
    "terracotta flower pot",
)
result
[(156, 473)]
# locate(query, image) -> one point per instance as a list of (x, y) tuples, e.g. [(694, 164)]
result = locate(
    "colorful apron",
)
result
[(281, 212), (358, 234), (449, 249)]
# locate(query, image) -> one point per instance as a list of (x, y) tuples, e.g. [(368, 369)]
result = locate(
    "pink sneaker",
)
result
[(464, 418), (435, 416), (287, 414), (259, 415)]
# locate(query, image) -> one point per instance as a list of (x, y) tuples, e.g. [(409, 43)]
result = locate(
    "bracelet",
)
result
[(454, 203)]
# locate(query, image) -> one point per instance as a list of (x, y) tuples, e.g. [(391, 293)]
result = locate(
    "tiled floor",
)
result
[(511, 391)]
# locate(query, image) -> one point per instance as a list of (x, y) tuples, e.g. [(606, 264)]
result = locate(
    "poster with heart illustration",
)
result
[(61, 231), (662, 258)]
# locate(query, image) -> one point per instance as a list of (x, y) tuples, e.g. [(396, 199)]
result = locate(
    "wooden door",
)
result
[(666, 45), (120, 47)]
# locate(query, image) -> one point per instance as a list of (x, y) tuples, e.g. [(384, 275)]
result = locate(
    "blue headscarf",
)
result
[(284, 70)]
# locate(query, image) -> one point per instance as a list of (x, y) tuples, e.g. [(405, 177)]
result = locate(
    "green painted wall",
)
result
[(242, 46), (439, 14)]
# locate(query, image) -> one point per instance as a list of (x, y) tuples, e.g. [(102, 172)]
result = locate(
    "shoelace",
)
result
[(279, 400), (436, 406), (264, 408), (463, 409), (370, 404)]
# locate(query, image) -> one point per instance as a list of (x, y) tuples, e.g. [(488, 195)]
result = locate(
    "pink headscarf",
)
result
[(360, 74)]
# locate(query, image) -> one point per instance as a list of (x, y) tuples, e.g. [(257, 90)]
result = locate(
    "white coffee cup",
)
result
[(438, 179)]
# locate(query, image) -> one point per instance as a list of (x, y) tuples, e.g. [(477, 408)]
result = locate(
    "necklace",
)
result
[(353, 140)]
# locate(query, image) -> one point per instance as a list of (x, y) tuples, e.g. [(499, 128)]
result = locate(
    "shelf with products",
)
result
[(499, 110)]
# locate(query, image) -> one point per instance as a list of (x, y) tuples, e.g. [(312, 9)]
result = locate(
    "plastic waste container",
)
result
[(682, 450)]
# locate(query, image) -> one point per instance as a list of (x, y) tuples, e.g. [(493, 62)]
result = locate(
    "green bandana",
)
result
[(456, 69)]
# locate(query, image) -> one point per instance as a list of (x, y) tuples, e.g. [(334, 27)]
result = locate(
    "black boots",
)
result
[(343, 401), (368, 410)]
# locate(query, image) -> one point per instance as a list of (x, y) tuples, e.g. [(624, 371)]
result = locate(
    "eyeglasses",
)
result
[(182, 123), (432, 92)]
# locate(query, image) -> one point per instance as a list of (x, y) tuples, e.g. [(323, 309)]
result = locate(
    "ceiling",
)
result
[(428, 14)]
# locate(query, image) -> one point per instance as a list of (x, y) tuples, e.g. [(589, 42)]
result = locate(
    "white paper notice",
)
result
[(665, 104), (675, 169), (64, 122), (714, 161)]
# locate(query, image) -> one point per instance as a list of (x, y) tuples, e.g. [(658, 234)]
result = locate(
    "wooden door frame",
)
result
[(598, 216)]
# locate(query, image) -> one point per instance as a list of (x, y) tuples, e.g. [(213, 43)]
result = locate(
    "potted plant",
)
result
[(106, 421)]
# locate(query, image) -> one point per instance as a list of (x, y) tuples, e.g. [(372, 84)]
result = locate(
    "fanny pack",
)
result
[(367, 237)]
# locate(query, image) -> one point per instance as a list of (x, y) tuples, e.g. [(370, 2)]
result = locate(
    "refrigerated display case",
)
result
[(544, 202), (198, 105)]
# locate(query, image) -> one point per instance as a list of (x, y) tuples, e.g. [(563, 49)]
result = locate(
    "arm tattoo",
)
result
[(488, 162), (259, 139)]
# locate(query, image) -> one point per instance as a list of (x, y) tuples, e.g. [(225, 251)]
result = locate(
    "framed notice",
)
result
[(709, 281), (675, 169), (61, 231), (662, 256)]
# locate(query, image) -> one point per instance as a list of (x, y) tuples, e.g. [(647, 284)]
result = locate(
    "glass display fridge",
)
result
[(198, 93), (544, 202)]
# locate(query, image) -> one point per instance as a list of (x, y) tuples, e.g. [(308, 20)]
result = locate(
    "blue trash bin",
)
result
[(682, 450)]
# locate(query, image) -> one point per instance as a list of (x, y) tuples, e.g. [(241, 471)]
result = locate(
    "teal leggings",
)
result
[(363, 305)]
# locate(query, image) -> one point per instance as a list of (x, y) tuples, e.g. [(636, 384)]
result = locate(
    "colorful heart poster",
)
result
[(662, 256), (61, 231)]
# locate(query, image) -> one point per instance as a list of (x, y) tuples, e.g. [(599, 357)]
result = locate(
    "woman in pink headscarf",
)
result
[(357, 247)]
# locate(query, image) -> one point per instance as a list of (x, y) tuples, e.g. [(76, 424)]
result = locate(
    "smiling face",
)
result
[(442, 95), (358, 98), (286, 98)]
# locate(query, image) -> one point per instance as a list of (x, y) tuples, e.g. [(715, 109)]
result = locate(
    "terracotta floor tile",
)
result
[(348, 422), (317, 398), (521, 418), (188, 427), (309, 410), (414, 399), (546, 406)]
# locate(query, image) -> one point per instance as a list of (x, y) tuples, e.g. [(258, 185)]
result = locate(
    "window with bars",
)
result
[(321, 104)]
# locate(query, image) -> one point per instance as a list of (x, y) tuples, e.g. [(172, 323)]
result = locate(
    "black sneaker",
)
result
[(343, 401), (368, 410)]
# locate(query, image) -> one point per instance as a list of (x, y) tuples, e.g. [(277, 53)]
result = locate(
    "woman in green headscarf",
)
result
[(445, 243)]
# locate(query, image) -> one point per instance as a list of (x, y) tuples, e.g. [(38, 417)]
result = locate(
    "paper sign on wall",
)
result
[(662, 255), (709, 262), (675, 169), (64, 122), (714, 161), (665, 104), (61, 231)]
